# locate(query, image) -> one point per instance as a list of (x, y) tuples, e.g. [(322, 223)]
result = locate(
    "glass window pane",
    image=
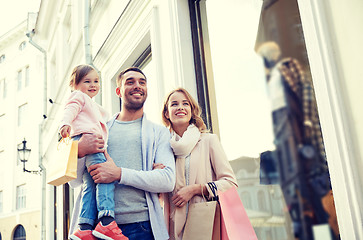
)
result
[(1, 196), (152, 107), (2, 131), (22, 114), (19, 233), (2, 87), (20, 197), (267, 116), (26, 76), (20, 80)]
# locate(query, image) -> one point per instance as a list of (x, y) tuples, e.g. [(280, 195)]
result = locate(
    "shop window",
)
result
[(256, 90), (19, 233), (152, 107)]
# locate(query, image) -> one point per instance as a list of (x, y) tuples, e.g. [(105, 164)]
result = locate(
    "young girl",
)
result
[(83, 115), (199, 159)]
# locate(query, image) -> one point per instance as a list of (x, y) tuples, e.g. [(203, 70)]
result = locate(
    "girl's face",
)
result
[(89, 85), (179, 110)]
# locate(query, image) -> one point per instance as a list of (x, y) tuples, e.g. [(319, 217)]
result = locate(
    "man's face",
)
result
[(133, 90)]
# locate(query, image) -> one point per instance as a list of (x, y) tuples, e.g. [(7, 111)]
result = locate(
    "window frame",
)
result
[(1, 197), (334, 118), (22, 110), (2, 58), (20, 197), (19, 233)]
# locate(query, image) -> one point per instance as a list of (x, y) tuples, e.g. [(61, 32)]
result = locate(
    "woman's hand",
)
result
[(158, 166), (185, 194)]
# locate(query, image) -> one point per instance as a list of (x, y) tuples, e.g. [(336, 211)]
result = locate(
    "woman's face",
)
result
[(179, 110)]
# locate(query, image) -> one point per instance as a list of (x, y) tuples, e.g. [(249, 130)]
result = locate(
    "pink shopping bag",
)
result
[(234, 220)]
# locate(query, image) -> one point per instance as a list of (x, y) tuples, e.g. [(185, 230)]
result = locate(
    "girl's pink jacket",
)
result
[(84, 115)]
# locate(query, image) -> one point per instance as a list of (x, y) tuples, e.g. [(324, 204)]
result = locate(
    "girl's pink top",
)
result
[(84, 115)]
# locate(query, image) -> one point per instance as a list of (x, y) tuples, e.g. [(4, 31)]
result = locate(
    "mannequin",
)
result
[(293, 101)]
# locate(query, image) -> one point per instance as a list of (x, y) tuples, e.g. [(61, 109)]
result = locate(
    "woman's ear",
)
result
[(166, 114)]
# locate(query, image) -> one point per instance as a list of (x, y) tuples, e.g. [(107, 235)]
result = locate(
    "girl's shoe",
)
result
[(109, 232), (82, 235)]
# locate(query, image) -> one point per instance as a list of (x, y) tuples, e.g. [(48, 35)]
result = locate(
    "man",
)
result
[(134, 145)]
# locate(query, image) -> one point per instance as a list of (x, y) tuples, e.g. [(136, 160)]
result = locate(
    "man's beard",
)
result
[(132, 106)]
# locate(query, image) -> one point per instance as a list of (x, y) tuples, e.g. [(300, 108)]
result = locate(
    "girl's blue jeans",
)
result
[(97, 199)]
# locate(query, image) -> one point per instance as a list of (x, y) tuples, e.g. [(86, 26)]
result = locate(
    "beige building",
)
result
[(20, 116), (208, 47)]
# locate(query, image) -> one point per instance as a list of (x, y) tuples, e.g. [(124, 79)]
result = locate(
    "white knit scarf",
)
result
[(182, 147)]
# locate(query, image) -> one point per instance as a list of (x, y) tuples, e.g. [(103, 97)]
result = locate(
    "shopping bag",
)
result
[(63, 168), (234, 220), (199, 224)]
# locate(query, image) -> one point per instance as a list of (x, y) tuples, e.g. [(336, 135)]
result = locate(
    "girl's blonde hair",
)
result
[(78, 73), (196, 119)]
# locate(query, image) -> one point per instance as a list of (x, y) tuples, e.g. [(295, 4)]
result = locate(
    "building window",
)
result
[(19, 233), (2, 58), (1, 201), (22, 114), (23, 78), (22, 46), (20, 197), (20, 78), (246, 200), (27, 76), (18, 162), (2, 130), (262, 201), (2, 88)]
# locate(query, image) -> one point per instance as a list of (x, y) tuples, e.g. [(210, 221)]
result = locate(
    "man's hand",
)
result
[(106, 172), (90, 143)]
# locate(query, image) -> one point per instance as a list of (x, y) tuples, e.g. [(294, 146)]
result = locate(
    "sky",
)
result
[(13, 12)]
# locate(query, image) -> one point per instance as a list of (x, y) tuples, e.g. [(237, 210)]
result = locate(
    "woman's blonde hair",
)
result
[(196, 119)]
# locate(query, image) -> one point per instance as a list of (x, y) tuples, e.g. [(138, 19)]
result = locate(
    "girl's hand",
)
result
[(65, 131), (185, 194), (158, 166)]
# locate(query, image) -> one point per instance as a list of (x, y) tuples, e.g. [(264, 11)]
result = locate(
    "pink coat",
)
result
[(208, 162), (84, 115)]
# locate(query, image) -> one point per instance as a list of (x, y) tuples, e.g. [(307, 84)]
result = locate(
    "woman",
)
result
[(199, 159)]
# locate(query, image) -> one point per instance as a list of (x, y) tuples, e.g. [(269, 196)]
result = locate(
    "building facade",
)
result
[(20, 118), (208, 47)]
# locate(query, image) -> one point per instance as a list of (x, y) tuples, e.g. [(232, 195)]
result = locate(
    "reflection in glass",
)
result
[(300, 158), (268, 120)]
